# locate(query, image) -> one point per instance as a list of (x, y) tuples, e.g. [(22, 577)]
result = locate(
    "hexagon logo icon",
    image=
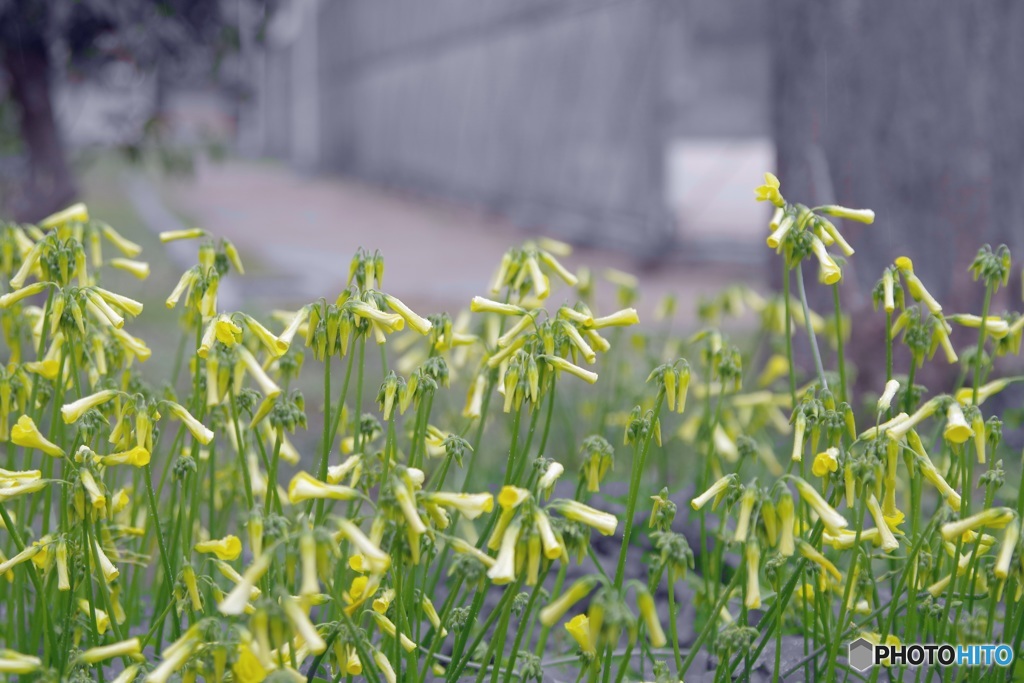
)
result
[(862, 655)]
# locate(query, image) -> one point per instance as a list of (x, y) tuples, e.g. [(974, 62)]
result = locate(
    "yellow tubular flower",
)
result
[(27, 435), (562, 364), (137, 457), (302, 625), (825, 463), (416, 322), (798, 437), (936, 479), (188, 278), (997, 517), (267, 386), (885, 400), (274, 345), (832, 520), (648, 612), (124, 648), (957, 430), (139, 269), (76, 213), (623, 318), (604, 522), (504, 569), (188, 234), (713, 492), (387, 627), (470, 505), (133, 345), (752, 599), (27, 554), (98, 306), (227, 548), (124, 245), (377, 560), (198, 430), (808, 552), (547, 481), (985, 391), (829, 272), (785, 224), (901, 428), (859, 215), (305, 486), (11, 298), (579, 628), (15, 663), (916, 287), (1010, 538), (381, 660), (481, 305), (886, 536), (553, 547), (747, 501), (235, 602), (72, 412), (110, 572)]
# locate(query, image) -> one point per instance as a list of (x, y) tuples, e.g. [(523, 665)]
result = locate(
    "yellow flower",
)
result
[(235, 602), (825, 462), (267, 386), (604, 522), (859, 215), (123, 244), (381, 660), (247, 667), (550, 542), (139, 269), (376, 559), (303, 626), (305, 486), (15, 663), (832, 520), (481, 305), (623, 318), (273, 344), (579, 628), (888, 540), (188, 234), (1010, 538), (124, 648), (645, 604), (387, 627), (916, 287), (713, 492), (102, 620), (504, 569), (808, 551), (227, 548), (470, 505), (752, 599), (136, 457), (188, 278), (885, 400), (996, 517), (769, 192), (562, 364), (26, 434), (747, 501), (76, 213), (72, 412), (829, 272), (11, 298), (985, 391), (416, 322), (201, 433), (957, 430)]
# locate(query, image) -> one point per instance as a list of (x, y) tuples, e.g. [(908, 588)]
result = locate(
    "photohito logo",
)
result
[(864, 654)]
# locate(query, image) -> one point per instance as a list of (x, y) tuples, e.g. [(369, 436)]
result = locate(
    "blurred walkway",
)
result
[(297, 234)]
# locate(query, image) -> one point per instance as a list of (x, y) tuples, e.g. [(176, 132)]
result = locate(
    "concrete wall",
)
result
[(555, 113)]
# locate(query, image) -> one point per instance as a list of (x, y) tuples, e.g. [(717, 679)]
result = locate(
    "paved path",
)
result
[(299, 233)]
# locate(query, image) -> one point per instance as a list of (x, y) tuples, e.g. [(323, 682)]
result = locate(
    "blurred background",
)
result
[(444, 131)]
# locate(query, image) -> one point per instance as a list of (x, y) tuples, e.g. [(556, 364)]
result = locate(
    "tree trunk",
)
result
[(49, 185)]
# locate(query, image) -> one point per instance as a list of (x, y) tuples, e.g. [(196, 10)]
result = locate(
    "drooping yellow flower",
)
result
[(469, 505), (26, 434), (72, 412), (139, 269), (305, 486), (481, 305), (825, 462), (76, 213), (187, 234), (504, 569), (227, 548), (376, 559), (997, 517), (604, 522), (713, 492), (752, 600), (10, 298), (247, 667), (579, 628), (200, 431), (1010, 538), (124, 648), (303, 626), (562, 364), (831, 518)]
